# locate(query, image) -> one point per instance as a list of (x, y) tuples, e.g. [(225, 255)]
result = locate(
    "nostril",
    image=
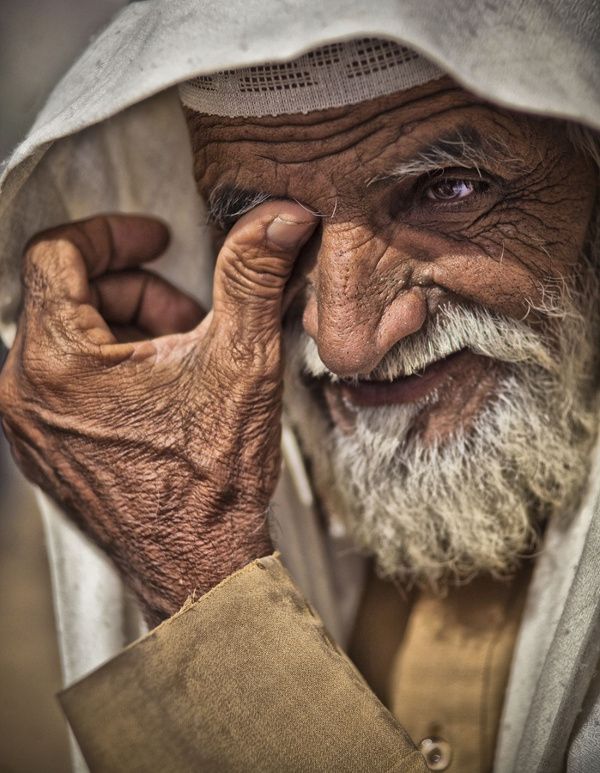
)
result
[(404, 316), (351, 342), (349, 362)]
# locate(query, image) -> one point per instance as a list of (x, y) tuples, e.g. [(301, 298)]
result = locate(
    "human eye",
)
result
[(448, 187), (453, 190)]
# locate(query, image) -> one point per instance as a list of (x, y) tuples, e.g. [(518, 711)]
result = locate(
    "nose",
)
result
[(363, 299)]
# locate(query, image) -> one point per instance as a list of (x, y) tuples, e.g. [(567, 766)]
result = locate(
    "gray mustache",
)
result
[(453, 329)]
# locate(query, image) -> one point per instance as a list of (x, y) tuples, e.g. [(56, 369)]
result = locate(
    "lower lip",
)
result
[(404, 390)]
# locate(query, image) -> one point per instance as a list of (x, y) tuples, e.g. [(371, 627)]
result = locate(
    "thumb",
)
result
[(251, 272), (255, 263)]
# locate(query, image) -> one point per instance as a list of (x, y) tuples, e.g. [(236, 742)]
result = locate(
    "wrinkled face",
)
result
[(427, 197), (432, 202)]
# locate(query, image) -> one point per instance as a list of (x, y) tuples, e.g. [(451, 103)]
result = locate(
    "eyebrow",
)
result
[(227, 202), (463, 147)]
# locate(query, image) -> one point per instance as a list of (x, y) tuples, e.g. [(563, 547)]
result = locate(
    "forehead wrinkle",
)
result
[(369, 128), (462, 145), (291, 142)]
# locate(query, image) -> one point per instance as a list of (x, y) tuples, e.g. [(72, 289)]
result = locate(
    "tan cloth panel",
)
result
[(441, 664), (245, 679), (378, 631), (450, 675)]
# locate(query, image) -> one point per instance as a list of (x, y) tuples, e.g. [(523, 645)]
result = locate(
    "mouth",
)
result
[(402, 390)]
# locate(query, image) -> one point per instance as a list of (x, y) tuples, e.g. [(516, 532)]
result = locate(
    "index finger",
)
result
[(59, 263)]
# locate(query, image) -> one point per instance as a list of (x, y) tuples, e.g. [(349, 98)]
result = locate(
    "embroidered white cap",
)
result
[(333, 75)]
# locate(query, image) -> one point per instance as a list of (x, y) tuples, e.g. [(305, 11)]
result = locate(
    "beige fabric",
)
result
[(245, 679), (441, 664), (449, 677), (380, 626)]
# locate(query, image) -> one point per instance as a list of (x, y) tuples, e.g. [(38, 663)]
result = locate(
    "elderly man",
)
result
[(407, 272)]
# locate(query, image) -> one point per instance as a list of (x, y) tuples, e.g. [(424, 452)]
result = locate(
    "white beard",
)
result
[(436, 513)]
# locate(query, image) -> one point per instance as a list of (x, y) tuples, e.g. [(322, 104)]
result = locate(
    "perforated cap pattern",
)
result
[(331, 76)]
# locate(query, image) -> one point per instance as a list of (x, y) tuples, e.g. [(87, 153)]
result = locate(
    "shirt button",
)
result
[(437, 753)]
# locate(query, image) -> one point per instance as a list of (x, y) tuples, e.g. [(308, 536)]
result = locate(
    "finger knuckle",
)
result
[(93, 237), (249, 271), (46, 255), (8, 393), (35, 261)]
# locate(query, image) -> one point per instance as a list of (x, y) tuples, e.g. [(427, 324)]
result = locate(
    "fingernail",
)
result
[(288, 233)]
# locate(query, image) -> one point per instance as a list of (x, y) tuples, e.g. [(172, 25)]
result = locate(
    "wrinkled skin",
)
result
[(388, 255), (166, 450)]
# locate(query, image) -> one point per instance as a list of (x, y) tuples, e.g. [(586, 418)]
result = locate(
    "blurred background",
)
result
[(39, 40)]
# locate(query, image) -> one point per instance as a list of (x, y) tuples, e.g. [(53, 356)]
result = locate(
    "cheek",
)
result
[(503, 284), (503, 262)]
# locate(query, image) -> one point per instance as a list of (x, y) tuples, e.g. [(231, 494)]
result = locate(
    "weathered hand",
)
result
[(165, 451)]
